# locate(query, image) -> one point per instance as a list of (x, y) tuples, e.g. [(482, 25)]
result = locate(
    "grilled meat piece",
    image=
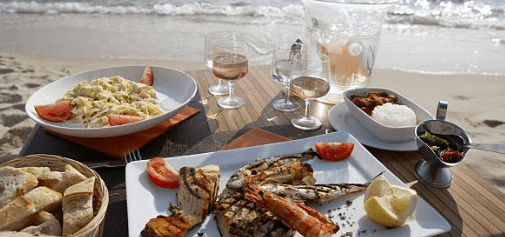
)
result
[(163, 226), (237, 216)]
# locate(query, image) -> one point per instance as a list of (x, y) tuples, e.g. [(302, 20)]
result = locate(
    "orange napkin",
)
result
[(255, 137), (115, 146)]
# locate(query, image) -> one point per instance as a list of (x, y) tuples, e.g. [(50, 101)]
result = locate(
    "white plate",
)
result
[(174, 90), (146, 201), (342, 120)]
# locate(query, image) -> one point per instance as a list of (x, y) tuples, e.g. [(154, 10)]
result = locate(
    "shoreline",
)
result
[(474, 99)]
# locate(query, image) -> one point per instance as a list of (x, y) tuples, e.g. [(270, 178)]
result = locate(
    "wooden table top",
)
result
[(471, 205)]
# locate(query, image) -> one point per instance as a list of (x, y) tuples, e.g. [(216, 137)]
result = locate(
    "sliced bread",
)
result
[(59, 181), (13, 183), (45, 224), (17, 211), (36, 171), (78, 206)]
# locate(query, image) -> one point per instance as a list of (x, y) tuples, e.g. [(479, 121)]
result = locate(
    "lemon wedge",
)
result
[(389, 205)]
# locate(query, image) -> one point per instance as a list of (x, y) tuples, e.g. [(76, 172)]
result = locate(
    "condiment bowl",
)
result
[(432, 170), (380, 131)]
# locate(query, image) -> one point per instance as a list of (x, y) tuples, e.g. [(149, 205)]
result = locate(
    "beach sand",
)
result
[(475, 101)]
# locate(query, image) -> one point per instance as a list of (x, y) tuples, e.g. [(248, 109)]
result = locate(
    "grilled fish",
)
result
[(262, 164), (295, 173), (198, 190), (237, 216), (195, 197), (316, 193)]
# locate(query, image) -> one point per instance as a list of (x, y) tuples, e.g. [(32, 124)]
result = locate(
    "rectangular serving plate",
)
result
[(145, 200)]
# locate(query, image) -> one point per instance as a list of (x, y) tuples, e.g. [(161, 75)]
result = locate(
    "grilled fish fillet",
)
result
[(198, 190), (195, 197), (237, 216)]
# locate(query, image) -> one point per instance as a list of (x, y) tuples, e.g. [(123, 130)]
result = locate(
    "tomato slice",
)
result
[(162, 174), (334, 151), (148, 76), (57, 112), (120, 119)]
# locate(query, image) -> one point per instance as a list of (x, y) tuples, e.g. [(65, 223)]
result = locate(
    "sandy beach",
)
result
[(475, 101)]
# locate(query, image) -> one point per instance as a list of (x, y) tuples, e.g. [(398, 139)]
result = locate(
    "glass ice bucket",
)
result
[(348, 31)]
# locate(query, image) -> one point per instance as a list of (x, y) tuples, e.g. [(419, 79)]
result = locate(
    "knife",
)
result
[(105, 164)]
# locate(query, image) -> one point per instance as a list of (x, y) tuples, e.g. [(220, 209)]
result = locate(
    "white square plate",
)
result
[(145, 200)]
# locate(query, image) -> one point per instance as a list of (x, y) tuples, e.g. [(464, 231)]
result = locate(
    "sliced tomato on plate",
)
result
[(120, 119), (334, 151), (162, 174), (148, 76), (57, 112)]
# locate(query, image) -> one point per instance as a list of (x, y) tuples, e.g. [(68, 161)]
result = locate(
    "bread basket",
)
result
[(100, 197)]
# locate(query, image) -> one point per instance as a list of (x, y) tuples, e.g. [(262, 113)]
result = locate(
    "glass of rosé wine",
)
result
[(230, 63), (208, 55)]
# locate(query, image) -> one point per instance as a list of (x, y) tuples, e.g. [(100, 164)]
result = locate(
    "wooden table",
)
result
[(471, 205)]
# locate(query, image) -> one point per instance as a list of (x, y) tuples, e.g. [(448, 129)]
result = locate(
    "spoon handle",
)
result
[(500, 148)]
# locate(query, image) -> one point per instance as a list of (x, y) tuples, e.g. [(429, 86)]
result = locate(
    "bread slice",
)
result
[(36, 171), (14, 234), (60, 181), (13, 183), (78, 206), (16, 212), (45, 224)]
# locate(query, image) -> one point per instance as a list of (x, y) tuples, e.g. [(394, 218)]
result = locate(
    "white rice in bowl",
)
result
[(394, 115)]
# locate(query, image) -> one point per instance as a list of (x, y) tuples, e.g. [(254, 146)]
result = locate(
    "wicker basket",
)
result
[(101, 193)]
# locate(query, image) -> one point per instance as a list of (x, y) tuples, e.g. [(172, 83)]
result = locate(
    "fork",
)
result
[(131, 156)]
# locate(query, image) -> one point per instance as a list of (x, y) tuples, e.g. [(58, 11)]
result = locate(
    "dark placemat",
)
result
[(41, 142)]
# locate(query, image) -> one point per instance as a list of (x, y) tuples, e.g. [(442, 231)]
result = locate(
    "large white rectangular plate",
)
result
[(146, 201)]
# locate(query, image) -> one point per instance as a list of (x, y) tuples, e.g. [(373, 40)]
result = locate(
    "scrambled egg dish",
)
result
[(93, 101)]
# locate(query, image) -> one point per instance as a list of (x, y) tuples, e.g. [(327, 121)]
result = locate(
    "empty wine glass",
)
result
[(282, 65), (208, 55), (310, 80), (230, 63)]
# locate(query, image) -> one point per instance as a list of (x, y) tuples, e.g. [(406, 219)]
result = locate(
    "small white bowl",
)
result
[(380, 131)]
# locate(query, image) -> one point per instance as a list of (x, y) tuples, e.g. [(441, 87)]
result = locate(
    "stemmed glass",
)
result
[(208, 55), (310, 80), (230, 63), (282, 64)]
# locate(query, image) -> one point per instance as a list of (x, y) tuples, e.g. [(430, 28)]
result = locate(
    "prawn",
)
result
[(307, 221)]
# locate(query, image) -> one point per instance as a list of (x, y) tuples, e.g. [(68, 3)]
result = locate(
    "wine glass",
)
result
[(309, 80), (282, 64), (208, 55), (230, 63)]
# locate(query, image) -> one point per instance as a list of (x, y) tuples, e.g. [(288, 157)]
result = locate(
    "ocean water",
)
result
[(431, 36)]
